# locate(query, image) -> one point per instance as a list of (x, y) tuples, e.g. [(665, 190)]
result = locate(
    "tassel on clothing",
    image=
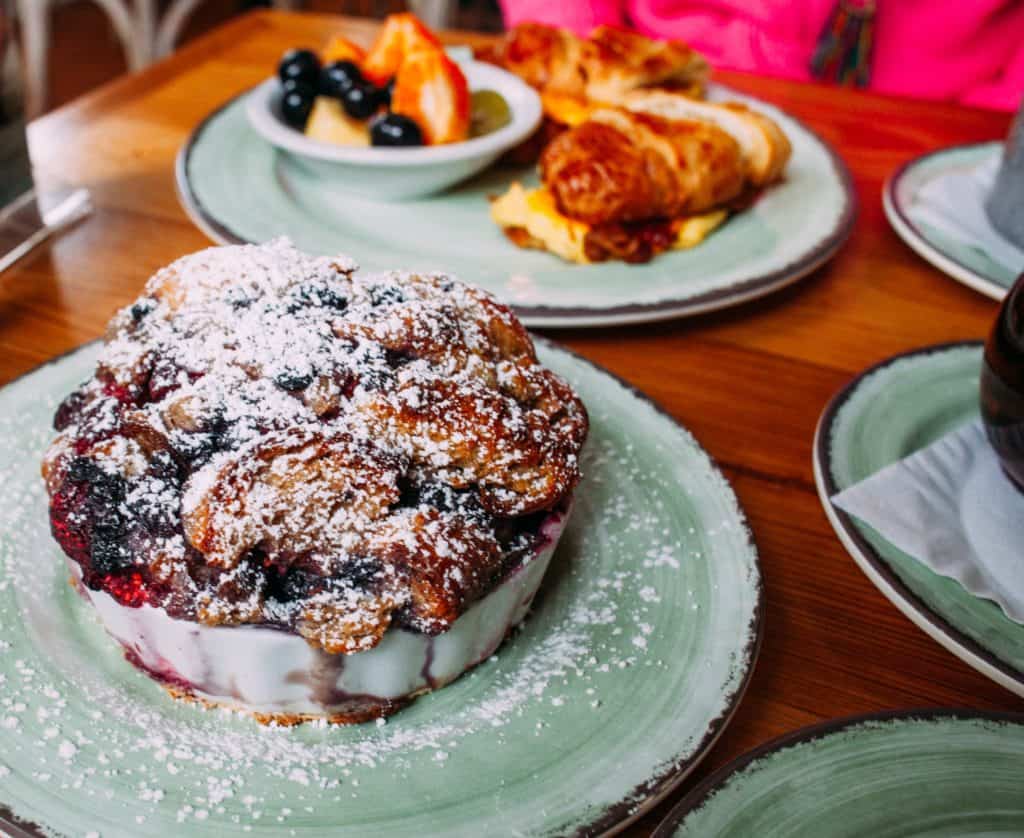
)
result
[(843, 53)]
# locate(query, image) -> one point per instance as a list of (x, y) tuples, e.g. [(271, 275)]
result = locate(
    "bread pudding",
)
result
[(305, 492)]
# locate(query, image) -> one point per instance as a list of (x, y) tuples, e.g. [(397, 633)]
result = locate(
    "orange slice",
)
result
[(402, 35), (431, 89), (340, 48)]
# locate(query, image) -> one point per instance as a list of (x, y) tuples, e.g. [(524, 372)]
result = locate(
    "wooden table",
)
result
[(749, 382)]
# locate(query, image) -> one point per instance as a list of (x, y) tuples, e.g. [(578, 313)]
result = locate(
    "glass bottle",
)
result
[(1002, 384)]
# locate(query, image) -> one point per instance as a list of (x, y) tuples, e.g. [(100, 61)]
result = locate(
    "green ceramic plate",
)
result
[(969, 265), (634, 659), (925, 774), (888, 413), (238, 188)]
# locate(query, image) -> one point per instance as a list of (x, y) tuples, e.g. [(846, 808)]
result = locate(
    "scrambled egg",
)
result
[(534, 211), (568, 110)]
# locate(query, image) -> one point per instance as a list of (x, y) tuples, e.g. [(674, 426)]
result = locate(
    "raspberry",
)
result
[(122, 392), (64, 509), (69, 409), (128, 590)]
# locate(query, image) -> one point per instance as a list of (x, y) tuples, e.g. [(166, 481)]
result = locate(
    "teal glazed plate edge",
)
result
[(627, 813), (874, 566), (701, 794), (918, 240), (566, 316), (645, 796), (11, 824)]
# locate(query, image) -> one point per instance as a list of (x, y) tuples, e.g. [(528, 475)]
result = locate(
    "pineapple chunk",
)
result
[(329, 123)]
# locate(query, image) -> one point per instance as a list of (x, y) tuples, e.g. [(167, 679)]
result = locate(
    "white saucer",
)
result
[(902, 192)]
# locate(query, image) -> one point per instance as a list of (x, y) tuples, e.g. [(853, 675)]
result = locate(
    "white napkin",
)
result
[(952, 508), (954, 204)]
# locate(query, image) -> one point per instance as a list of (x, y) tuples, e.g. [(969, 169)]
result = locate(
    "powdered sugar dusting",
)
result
[(273, 437), (569, 677)]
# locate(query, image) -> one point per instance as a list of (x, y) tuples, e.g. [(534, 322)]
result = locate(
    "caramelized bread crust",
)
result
[(545, 57), (763, 144), (615, 61), (621, 166), (273, 438), (601, 67)]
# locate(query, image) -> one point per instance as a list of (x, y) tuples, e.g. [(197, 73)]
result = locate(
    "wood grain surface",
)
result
[(749, 382)]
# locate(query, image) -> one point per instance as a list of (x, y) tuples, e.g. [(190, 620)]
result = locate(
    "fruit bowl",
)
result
[(398, 174)]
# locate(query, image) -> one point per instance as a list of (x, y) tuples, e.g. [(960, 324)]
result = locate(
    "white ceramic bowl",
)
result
[(402, 173), (278, 676)]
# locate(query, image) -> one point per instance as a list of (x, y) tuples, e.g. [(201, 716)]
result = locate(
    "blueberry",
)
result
[(83, 470), (157, 519), (296, 104), (338, 77), (293, 380), (215, 420), (329, 298), (142, 308), (361, 571), (295, 584), (386, 295), (373, 380), (361, 101), (395, 358), (288, 85), (299, 65), (387, 93), (322, 295), (108, 555), (238, 298), (109, 526), (197, 448), (164, 466), (395, 130), (106, 490), (439, 496)]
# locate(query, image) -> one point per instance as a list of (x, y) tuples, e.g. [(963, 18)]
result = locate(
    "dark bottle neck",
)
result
[(1004, 350)]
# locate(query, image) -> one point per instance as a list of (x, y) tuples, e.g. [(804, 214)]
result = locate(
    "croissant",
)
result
[(763, 145), (605, 65), (621, 166), (614, 61), (545, 57)]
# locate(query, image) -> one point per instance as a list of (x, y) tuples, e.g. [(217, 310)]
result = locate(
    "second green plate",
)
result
[(884, 415), (237, 188), (633, 660), (925, 774)]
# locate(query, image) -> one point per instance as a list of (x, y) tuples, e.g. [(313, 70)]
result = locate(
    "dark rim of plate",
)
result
[(892, 195), (823, 455), (552, 316), (643, 797), (718, 779)]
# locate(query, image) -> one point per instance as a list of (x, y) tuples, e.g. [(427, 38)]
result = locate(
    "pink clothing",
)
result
[(970, 51)]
